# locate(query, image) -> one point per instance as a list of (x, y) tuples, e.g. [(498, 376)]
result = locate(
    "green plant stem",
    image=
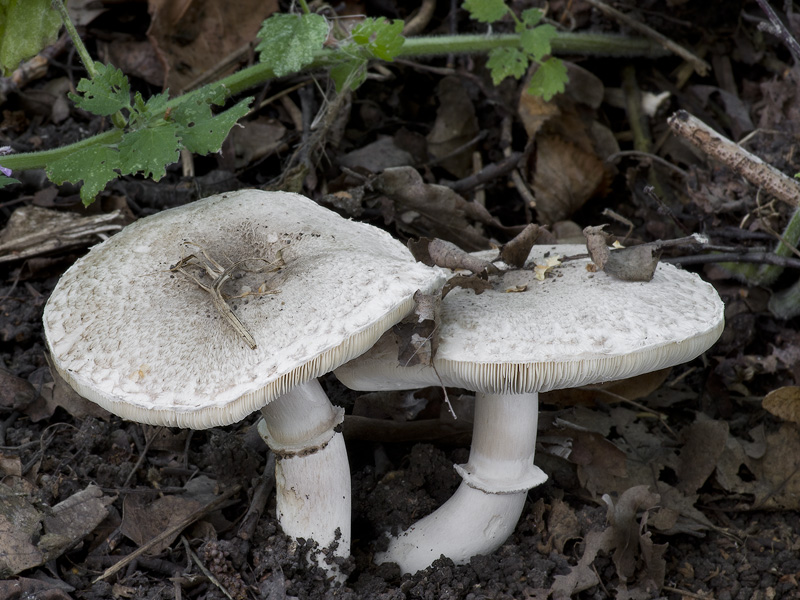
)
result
[(304, 7), (83, 53), (563, 43)]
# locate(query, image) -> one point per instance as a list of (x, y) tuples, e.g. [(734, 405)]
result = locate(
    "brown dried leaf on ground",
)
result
[(771, 479), (703, 443), (430, 210), (142, 520), (784, 403), (635, 556), (454, 127), (192, 36), (567, 168), (30, 537)]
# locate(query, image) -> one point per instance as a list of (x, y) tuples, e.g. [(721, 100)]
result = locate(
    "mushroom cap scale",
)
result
[(146, 342), (574, 328)]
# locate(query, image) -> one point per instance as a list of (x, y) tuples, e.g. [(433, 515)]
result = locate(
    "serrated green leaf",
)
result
[(201, 132), (486, 11), (531, 17), (26, 27), (95, 166), (507, 62), (106, 94), (148, 151), (380, 37), (537, 41), (289, 42), (549, 79)]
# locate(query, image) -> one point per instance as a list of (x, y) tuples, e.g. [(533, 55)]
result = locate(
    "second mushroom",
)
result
[(521, 337)]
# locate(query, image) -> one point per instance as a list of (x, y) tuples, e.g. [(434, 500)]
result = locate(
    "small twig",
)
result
[(488, 173), (767, 258), (778, 29), (170, 531), (737, 158), (646, 156), (701, 66), (262, 492), (220, 276), (203, 568), (142, 455)]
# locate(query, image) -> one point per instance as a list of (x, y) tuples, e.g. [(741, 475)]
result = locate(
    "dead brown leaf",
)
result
[(784, 403), (454, 127), (565, 177), (703, 443), (562, 524), (430, 210), (516, 251), (637, 263), (192, 36), (142, 520)]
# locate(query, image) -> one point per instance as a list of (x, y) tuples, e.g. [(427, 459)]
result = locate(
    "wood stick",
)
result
[(170, 531), (737, 158)]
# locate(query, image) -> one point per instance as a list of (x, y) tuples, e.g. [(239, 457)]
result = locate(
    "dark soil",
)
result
[(733, 534)]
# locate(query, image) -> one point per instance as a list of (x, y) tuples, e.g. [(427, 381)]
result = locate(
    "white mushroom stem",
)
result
[(312, 473), (484, 511)]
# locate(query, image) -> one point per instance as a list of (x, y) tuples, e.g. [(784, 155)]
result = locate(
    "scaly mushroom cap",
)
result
[(146, 342), (574, 328)]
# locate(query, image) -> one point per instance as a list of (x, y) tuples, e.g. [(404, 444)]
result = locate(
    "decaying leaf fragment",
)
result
[(416, 333), (516, 251), (634, 554), (637, 263), (784, 403), (476, 283), (597, 245), (440, 253)]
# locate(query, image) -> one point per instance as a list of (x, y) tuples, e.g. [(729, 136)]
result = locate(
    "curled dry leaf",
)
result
[(476, 283), (516, 252), (597, 244), (448, 255), (637, 263)]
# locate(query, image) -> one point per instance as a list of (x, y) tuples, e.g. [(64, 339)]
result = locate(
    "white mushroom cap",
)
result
[(147, 344), (574, 328)]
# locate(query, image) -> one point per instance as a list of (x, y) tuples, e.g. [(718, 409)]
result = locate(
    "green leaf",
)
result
[(537, 41), (26, 26), (549, 79), (149, 151), (289, 42), (380, 37), (201, 132), (95, 166), (4, 181), (106, 94), (531, 17), (507, 62), (349, 74), (486, 11)]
